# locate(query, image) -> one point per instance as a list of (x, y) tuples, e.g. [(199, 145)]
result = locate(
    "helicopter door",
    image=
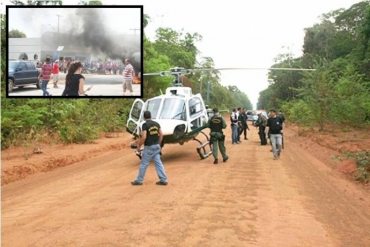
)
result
[(196, 112), (135, 117)]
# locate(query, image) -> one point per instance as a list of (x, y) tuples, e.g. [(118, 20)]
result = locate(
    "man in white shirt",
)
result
[(128, 77)]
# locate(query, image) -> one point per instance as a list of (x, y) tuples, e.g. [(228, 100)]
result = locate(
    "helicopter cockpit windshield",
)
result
[(153, 106), (173, 108)]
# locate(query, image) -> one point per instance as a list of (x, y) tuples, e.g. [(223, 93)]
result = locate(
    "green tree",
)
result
[(180, 50), (16, 34), (146, 20), (154, 62), (264, 100)]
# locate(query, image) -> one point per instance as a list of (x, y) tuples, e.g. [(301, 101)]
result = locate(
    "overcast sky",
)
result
[(236, 33), (34, 22)]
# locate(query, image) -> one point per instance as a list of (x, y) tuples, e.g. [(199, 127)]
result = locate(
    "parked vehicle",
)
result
[(22, 73), (251, 116)]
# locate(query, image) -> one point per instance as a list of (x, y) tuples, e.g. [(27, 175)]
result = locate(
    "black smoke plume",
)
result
[(100, 39)]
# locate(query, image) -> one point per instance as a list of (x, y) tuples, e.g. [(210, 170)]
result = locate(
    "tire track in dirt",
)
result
[(283, 219), (61, 196), (47, 161), (211, 205), (345, 215), (225, 210)]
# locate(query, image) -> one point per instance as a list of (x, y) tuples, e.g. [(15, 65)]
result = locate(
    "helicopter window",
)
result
[(173, 108), (153, 106), (195, 106), (136, 110)]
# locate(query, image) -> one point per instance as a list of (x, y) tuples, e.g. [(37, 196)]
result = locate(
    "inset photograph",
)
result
[(75, 51)]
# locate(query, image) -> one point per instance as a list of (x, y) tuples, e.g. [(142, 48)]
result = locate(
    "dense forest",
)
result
[(338, 92), (25, 121)]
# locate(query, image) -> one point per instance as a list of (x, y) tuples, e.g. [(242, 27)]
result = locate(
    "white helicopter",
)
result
[(181, 114)]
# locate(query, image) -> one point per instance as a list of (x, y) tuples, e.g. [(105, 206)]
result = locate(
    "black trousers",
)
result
[(262, 134), (242, 130)]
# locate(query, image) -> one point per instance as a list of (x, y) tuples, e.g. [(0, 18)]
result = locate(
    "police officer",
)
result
[(151, 138), (216, 123), (261, 124), (275, 129)]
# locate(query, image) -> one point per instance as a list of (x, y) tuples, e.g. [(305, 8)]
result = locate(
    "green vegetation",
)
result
[(16, 34), (362, 160), (338, 92), (28, 122)]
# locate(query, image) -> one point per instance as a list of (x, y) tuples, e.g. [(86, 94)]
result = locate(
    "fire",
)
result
[(136, 80)]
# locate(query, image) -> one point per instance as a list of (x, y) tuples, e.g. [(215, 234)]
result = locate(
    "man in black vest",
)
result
[(151, 137), (216, 123)]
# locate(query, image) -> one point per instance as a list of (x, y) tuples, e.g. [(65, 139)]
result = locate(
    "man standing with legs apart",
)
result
[(275, 128), (216, 123), (151, 137), (128, 77), (243, 120)]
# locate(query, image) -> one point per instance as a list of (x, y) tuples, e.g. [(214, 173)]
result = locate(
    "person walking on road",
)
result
[(56, 73), (275, 129), (75, 81), (45, 75), (261, 124), (216, 123), (128, 77), (151, 137)]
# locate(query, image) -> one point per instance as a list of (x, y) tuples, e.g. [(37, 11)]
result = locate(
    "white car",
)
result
[(251, 116)]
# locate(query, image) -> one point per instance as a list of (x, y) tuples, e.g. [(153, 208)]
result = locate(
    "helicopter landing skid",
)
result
[(202, 146)]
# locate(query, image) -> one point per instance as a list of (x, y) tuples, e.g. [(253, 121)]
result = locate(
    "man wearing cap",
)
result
[(216, 123)]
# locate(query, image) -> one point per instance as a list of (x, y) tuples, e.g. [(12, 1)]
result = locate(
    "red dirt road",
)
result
[(251, 200)]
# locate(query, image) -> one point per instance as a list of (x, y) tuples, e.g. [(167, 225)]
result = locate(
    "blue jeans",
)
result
[(149, 153), (276, 139), (234, 135), (44, 84)]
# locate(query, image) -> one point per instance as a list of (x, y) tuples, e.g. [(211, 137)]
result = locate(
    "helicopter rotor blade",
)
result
[(212, 69), (191, 71), (162, 73)]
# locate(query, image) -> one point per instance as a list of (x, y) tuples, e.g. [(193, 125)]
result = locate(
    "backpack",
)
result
[(263, 121)]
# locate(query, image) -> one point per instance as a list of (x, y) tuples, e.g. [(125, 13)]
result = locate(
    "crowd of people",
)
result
[(270, 125), (109, 67), (74, 84)]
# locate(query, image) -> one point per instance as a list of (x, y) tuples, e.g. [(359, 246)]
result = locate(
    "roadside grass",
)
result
[(362, 160)]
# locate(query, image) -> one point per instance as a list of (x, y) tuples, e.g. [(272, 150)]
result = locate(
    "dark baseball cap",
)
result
[(215, 110)]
